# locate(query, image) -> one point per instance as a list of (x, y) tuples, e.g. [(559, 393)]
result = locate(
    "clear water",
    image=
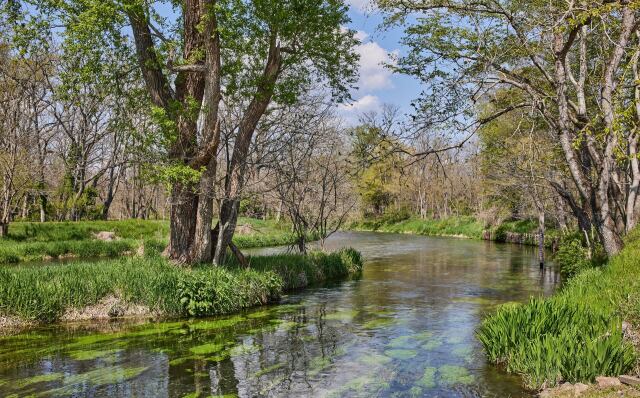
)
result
[(404, 329)]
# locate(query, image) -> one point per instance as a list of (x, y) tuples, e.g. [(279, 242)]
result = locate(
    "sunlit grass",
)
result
[(575, 335), (44, 293)]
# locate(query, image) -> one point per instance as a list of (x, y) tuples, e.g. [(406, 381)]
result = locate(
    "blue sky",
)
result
[(377, 85)]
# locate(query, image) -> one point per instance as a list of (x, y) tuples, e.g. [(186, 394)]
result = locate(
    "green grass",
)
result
[(43, 294), (465, 226), (29, 241), (575, 335)]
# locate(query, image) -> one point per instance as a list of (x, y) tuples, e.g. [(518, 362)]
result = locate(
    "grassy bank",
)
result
[(577, 334), (41, 241), (454, 226), (153, 286), (520, 231)]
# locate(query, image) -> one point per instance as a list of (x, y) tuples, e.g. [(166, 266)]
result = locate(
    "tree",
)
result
[(213, 53), (571, 63)]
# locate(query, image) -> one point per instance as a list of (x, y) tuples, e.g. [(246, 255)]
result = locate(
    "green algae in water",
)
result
[(318, 364), (284, 308), (455, 339), (260, 314), (378, 323), (400, 354), (97, 377), (217, 324), (431, 344), (28, 381), (402, 342), (343, 316), (451, 374), (415, 392), (464, 351), (428, 379), (87, 355), (270, 369), (426, 335), (180, 361), (244, 349), (374, 359), (206, 349)]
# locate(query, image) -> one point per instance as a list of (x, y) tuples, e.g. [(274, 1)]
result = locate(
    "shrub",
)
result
[(213, 291), (572, 257)]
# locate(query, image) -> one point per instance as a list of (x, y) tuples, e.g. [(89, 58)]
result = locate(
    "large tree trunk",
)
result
[(182, 220), (201, 251), (4, 229)]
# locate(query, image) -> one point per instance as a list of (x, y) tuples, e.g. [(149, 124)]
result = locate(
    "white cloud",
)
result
[(365, 104), (361, 35), (373, 73), (361, 5)]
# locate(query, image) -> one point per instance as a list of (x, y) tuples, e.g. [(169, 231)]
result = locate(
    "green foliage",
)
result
[(572, 257), (576, 334), (44, 293), (211, 291), (379, 169)]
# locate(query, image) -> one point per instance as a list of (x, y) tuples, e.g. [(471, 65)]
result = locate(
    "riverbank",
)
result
[(28, 241), (588, 329), (520, 232), (149, 286)]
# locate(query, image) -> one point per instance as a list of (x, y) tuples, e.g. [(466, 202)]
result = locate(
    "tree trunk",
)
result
[(228, 220), (541, 239), (4, 229), (182, 220), (201, 250)]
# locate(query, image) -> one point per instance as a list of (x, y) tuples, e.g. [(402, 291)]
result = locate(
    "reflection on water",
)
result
[(405, 329)]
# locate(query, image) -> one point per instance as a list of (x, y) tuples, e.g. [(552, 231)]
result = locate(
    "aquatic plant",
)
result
[(554, 340)]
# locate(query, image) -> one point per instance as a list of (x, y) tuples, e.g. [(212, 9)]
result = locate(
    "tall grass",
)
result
[(43, 294), (575, 335)]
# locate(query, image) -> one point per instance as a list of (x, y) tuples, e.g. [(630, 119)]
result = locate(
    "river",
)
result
[(404, 329)]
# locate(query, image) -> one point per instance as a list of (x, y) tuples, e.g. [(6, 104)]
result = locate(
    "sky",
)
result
[(377, 84)]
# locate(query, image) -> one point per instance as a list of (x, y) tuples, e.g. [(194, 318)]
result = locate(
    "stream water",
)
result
[(404, 329)]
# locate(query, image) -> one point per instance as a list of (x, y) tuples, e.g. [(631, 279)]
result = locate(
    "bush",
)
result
[(572, 257), (215, 291)]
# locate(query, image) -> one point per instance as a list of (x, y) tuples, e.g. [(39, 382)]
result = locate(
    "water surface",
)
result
[(404, 329)]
